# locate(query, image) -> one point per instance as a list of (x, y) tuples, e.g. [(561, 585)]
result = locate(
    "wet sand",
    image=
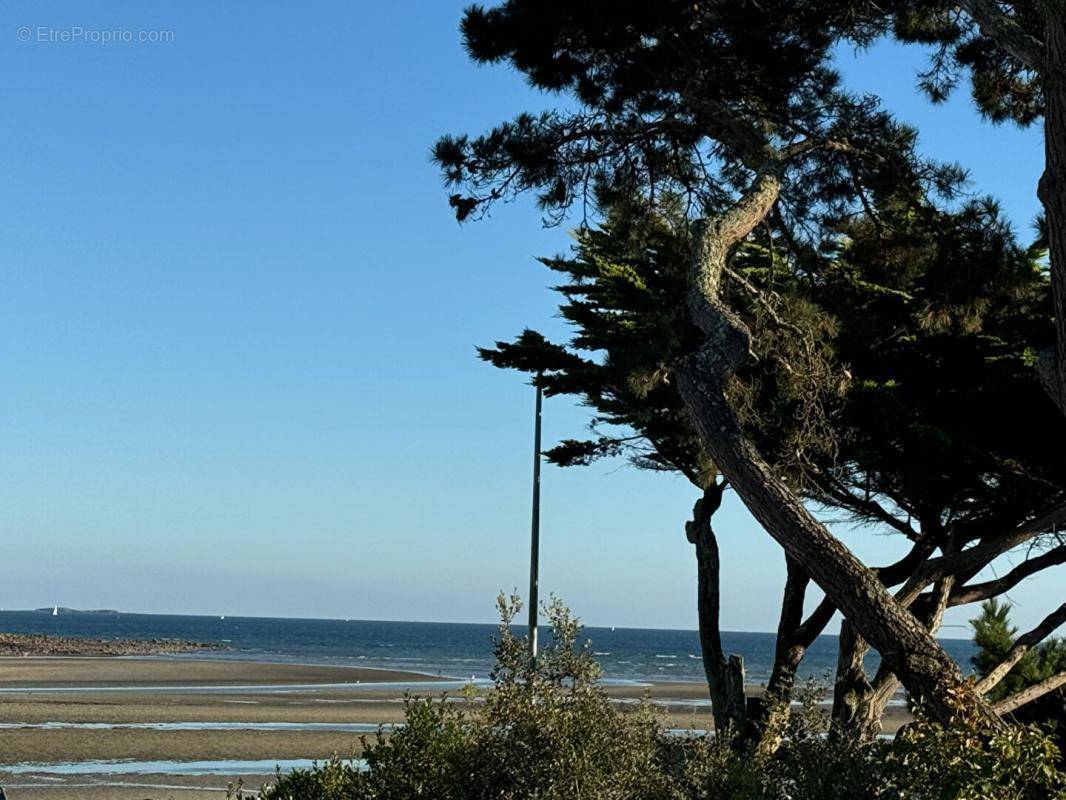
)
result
[(147, 787), (60, 690), (91, 690), (16, 673)]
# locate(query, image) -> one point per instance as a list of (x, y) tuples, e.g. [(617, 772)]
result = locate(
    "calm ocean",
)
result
[(453, 649)]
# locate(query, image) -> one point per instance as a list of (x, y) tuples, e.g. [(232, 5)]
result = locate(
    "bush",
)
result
[(959, 762), (549, 731)]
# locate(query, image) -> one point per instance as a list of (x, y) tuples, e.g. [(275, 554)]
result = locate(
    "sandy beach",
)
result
[(92, 693), (54, 711)]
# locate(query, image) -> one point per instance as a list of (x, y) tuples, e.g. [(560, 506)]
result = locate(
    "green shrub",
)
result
[(960, 762), (332, 780), (548, 731)]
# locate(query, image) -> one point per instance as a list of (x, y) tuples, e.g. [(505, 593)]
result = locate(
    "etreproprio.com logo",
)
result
[(78, 34)]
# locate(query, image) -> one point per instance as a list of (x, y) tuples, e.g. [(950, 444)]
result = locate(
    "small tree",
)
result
[(996, 637)]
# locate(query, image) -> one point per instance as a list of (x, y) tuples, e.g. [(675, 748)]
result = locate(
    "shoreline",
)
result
[(89, 673), (59, 713), (136, 673)]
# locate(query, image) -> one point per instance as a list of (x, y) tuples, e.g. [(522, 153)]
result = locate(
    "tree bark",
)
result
[(867, 707), (852, 690), (768, 715), (1030, 693), (928, 672), (725, 677)]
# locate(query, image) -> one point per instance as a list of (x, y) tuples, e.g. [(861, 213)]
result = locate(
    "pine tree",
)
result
[(995, 636), (735, 108), (909, 359), (1014, 57)]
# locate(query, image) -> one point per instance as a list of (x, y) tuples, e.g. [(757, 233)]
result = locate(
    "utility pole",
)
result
[(534, 548)]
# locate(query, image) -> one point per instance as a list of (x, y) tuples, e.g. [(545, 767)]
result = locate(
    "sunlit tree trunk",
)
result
[(928, 672)]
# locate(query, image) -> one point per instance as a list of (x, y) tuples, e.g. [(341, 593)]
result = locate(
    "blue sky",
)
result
[(237, 329)]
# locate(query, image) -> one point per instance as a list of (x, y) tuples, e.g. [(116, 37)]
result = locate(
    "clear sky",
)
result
[(238, 319)]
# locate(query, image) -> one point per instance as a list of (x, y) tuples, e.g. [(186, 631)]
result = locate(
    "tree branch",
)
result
[(760, 298), (1022, 646), (1005, 31), (713, 238), (978, 557), (890, 575), (869, 507), (736, 132), (994, 588), (901, 570), (789, 649), (816, 622), (1029, 694), (744, 215)]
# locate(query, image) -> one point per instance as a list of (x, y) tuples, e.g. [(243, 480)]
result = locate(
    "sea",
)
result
[(459, 650)]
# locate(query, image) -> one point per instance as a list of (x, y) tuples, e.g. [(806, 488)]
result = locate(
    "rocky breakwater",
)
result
[(19, 644)]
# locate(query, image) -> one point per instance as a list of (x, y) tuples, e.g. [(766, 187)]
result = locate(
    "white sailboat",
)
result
[(55, 611)]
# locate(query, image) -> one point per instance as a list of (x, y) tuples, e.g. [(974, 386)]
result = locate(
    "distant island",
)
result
[(65, 610)]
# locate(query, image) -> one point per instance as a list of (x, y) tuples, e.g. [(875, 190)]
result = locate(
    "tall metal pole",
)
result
[(534, 549)]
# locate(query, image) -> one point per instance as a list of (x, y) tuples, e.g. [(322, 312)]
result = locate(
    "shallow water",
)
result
[(348, 727), (107, 783), (383, 686), (434, 648), (220, 767)]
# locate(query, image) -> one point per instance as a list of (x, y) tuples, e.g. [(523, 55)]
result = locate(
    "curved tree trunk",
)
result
[(725, 677), (928, 672)]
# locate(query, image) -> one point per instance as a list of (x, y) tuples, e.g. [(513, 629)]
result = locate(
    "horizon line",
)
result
[(70, 609)]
